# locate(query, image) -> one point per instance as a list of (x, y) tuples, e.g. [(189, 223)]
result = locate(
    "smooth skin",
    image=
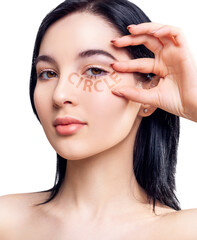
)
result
[(97, 201)]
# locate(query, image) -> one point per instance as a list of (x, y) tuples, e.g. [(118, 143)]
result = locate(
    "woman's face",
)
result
[(79, 86)]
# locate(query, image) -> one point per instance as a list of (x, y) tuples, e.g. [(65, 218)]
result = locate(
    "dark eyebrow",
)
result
[(44, 58), (91, 52), (84, 54)]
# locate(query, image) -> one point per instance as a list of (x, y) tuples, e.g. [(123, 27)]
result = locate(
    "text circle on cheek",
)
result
[(90, 85)]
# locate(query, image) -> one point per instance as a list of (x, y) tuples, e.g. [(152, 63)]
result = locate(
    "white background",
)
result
[(27, 161)]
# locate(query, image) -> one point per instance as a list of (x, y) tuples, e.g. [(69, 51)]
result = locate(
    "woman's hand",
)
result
[(176, 91)]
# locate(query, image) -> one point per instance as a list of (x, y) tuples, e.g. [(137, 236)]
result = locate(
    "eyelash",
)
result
[(97, 68), (40, 76)]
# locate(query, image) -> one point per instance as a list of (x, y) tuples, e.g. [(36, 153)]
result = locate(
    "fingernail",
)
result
[(129, 28), (117, 92), (132, 26), (113, 40)]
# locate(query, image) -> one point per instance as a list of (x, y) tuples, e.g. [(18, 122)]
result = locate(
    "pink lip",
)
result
[(67, 120), (68, 125)]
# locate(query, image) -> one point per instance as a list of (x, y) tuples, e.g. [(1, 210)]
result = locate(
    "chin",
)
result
[(74, 155)]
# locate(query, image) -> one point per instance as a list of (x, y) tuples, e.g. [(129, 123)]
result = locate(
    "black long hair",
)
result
[(155, 148)]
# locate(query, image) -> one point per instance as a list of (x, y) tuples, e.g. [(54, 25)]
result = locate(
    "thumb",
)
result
[(144, 96)]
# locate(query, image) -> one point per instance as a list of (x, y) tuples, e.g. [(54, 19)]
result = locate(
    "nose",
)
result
[(64, 93)]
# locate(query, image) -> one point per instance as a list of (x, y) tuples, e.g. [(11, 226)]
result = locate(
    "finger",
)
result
[(143, 65), (143, 96), (152, 43), (144, 28), (175, 34), (171, 33)]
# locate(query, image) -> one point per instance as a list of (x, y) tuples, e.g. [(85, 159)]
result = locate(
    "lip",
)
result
[(68, 125), (67, 120)]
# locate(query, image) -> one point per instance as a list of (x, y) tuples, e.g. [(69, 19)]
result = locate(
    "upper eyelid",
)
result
[(95, 66), (44, 69)]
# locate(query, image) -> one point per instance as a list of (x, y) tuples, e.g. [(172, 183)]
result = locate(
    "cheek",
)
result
[(110, 115), (110, 109), (38, 102), (42, 101)]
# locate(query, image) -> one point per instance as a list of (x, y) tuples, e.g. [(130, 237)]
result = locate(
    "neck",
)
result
[(102, 184)]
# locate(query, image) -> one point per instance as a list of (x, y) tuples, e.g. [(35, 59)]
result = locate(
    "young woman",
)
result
[(116, 152)]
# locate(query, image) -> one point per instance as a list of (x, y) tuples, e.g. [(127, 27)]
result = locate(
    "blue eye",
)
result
[(45, 75), (96, 72)]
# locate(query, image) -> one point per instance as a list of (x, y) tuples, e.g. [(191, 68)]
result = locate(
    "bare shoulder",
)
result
[(180, 224), (10, 207), (16, 210), (21, 203)]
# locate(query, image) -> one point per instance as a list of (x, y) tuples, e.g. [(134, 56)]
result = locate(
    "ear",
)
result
[(146, 110)]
